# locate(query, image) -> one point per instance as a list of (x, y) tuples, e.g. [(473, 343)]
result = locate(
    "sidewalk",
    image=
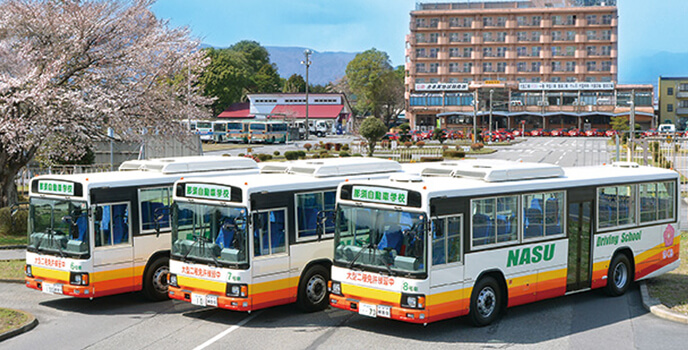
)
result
[(12, 254)]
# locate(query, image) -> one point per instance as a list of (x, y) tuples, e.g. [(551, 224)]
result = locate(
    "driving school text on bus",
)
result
[(475, 237), (262, 240), (92, 235)]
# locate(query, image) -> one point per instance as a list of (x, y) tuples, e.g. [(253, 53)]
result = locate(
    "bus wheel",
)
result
[(619, 275), (313, 295), (155, 280), (486, 302)]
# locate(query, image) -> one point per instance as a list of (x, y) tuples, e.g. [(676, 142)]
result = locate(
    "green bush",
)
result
[(344, 154), (263, 157), (13, 225), (241, 154), (345, 147), (453, 154), (357, 155), (291, 155), (301, 154), (276, 153)]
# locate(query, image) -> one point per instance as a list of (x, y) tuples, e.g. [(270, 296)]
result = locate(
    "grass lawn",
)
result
[(207, 147), (12, 269), (12, 240), (10, 319), (672, 288)]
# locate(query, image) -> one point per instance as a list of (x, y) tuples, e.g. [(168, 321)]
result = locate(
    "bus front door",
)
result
[(272, 284), (113, 257), (580, 226)]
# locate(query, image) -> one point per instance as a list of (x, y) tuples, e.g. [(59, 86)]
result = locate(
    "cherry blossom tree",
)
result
[(70, 69)]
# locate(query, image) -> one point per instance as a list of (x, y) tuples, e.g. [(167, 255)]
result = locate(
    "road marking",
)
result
[(226, 331)]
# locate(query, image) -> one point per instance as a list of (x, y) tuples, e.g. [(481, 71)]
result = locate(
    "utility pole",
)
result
[(307, 62), (490, 128), (475, 116)]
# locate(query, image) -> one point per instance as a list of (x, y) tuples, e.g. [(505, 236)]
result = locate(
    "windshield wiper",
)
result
[(52, 242), (204, 241), (358, 255)]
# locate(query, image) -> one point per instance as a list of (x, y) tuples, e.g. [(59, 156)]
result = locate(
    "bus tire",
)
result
[(619, 275), (313, 294), (155, 279), (486, 302)]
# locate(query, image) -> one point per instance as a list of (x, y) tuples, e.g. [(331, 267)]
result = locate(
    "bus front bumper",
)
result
[(395, 312), (58, 287), (224, 302)]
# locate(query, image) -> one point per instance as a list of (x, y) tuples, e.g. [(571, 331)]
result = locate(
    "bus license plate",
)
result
[(384, 311), (198, 299), (52, 288), (367, 310), (211, 300)]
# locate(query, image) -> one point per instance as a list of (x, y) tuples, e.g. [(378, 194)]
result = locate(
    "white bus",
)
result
[(203, 128), (91, 235), (255, 242), (230, 131), (476, 237)]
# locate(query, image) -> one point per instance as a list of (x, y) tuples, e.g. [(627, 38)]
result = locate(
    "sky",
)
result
[(646, 27)]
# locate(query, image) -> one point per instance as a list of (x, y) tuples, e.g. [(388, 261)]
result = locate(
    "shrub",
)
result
[(263, 157), (476, 146), (301, 154), (453, 154), (345, 147), (291, 155), (357, 155), (431, 159), (445, 147), (13, 225), (408, 144), (249, 150), (337, 147), (420, 144), (328, 146), (276, 153), (316, 156), (241, 154), (344, 154), (307, 146)]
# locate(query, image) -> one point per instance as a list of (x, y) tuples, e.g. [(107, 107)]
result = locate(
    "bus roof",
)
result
[(158, 171), (193, 164), (448, 180), (333, 167), (306, 174)]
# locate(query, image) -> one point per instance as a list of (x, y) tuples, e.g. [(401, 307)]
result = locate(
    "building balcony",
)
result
[(682, 111), (476, 40), (682, 94), (614, 54)]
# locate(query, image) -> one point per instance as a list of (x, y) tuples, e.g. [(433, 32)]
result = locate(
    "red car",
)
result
[(610, 133), (391, 136), (536, 132), (650, 133), (575, 132), (594, 132)]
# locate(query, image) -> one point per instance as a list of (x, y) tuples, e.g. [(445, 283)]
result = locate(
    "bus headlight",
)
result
[(335, 287), (237, 290), (172, 280), (78, 278), (413, 301), (27, 271)]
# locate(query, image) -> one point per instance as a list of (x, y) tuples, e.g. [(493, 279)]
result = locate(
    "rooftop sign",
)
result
[(442, 87), (565, 86)]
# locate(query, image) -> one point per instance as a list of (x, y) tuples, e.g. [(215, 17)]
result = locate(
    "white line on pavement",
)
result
[(226, 331)]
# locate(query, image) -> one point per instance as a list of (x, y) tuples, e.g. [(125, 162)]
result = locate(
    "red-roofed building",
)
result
[(240, 110)]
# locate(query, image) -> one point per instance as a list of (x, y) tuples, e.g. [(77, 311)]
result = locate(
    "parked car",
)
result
[(392, 136), (610, 133), (594, 132), (575, 132), (650, 133)]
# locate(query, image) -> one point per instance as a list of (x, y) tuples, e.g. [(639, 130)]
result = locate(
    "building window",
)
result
[(535, 79), (453, 37), (453, 52), (536, 20), (570, 79), (535, 36), (454, 22), (467, 67), (591, 19), (556, 35), (555, 79), (670, 107), (570, 51), (487, 22), (420, 80), (433, 52), (606, 35), (501, 21), (521, 20), (420, 53), (467, 52), (467, 37), (487, 52), (535, 51), (501, 51), (434, 67), (434, 22), (670, 91), (535, 67), (433, 37), (570, 20), (487, 36), (522, 36), (434, 80), (556, 51), (521, 51), (521, 66), (501, 36), (591, 34), (487, 66), (570, 35), (556, 20), (606, 66), (420, 22), (556, 66), (571, 66), (420, 68), (467, 22), (501, 67), (453, 67), (591, 50), (606, 50), (591, 66), (683, 87), (590, 79), (606, 19)]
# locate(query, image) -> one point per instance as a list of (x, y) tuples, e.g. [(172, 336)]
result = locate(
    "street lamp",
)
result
[(475, 116), (307, 62)]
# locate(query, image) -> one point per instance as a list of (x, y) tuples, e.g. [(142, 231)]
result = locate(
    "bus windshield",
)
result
[(257, 127), (385, 240), (58, 227), (204, 125), (235, 126), (209, 234)]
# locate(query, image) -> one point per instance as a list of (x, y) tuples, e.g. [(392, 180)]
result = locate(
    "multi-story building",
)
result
[(673, 101), (538, 62)]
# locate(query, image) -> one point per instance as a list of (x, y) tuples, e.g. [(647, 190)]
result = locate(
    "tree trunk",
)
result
[(9, 167)]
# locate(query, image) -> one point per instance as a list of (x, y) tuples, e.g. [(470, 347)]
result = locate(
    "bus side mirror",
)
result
[(98, 214), (158, 215)]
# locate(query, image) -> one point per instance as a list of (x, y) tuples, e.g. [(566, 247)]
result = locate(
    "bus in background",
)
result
[(263, 240), (476, 237), (267, 132), (203, 128), (225, 131), (91, 235)]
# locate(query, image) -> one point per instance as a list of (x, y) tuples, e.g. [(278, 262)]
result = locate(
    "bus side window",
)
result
[(113, 228), (269, 233), (152, 200)]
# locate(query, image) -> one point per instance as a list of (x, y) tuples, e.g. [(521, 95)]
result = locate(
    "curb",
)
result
[(656, 308), (13, 247), (11, 281), (29, 325)]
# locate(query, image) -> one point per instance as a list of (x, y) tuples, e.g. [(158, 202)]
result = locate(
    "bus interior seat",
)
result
[(392, 238), (226, 235), (533, 222), (482, 228)]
